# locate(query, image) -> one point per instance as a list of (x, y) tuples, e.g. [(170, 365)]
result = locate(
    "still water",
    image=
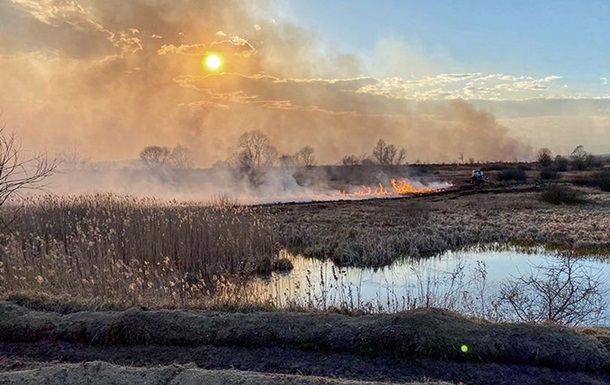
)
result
[(466, 281)]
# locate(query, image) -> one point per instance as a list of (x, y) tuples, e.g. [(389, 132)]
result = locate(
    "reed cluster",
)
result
[(111, 248)]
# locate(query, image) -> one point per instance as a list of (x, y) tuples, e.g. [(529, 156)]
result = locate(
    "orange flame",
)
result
[(399, 187)]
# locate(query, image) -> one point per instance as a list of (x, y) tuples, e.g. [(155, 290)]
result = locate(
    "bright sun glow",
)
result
[(213, 62)]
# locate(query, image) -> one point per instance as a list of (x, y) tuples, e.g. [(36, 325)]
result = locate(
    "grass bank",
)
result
[(376, 232), (430, 333)]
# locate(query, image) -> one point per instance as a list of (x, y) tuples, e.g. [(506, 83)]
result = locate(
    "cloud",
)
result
[(99, 74), (466, 86)]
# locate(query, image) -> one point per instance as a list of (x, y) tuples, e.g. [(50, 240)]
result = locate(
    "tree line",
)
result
[(254, 150), (579, 159)]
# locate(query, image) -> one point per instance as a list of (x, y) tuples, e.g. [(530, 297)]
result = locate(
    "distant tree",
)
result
[(156, 156), (388, 154), (304, 157), (366, 161), (254, 151), (581, 159), (162, 156), (72, 158), (253, 154), (379, 150), (560, 163), (544, 157), (181, 157), (350, 160), (286, 160)]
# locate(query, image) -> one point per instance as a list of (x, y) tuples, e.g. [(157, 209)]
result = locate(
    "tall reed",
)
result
[(107, 244)]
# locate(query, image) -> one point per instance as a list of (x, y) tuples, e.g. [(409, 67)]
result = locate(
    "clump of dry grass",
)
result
[(562, 195), (129, 250), (377, 232)]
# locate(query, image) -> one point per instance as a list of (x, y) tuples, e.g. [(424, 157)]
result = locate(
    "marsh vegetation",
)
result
[(129, 251)]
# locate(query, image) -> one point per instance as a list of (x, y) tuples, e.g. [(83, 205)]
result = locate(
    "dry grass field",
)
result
[(71, 267)]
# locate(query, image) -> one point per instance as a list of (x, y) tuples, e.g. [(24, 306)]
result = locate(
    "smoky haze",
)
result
[(112, 77)]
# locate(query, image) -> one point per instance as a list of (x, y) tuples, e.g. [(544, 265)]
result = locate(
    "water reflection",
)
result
[(462, 280)]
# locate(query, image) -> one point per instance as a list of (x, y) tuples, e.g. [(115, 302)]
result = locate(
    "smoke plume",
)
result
[(111, 77)]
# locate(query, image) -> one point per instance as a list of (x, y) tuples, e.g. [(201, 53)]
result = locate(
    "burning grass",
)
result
[(398, 186)]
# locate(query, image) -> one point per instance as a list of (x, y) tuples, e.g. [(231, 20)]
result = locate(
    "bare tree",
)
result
[(350, 160), (544, 157), (388, 154), (581, 159), (253, 155), (379, 151), (304, 157), (156, 156), (162, 156), (181, 157), (254, 151), (73, 158), (565, 292), (19, 172)]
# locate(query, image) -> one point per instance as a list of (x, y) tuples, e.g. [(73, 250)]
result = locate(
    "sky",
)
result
[(489, 80)]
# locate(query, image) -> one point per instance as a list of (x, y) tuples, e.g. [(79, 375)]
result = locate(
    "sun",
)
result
[(212, 62)]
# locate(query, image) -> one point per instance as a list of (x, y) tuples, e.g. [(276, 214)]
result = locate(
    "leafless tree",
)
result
[(254, 151), (73, 158), (181, 157), (581, 159), (544, 157), (565, 292), (350, 160), (156, 156), (304, 157), (388, 154), (253, 155), (162, 156), (19, 172)]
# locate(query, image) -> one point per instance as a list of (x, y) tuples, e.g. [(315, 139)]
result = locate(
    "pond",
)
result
[(468, 281)]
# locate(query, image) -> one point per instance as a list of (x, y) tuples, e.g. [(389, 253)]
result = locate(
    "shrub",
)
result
[(600, 180), (565, 292), (549, 175), (544, 157), (512, 174), (560, 163), (562, 195)]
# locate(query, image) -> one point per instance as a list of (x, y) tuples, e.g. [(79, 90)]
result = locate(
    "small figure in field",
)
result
[(477, 177)]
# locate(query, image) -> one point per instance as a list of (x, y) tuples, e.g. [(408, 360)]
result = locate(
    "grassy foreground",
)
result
[(430, 333)]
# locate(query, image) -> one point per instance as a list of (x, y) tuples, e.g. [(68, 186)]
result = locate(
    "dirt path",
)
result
[(396, 348)]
